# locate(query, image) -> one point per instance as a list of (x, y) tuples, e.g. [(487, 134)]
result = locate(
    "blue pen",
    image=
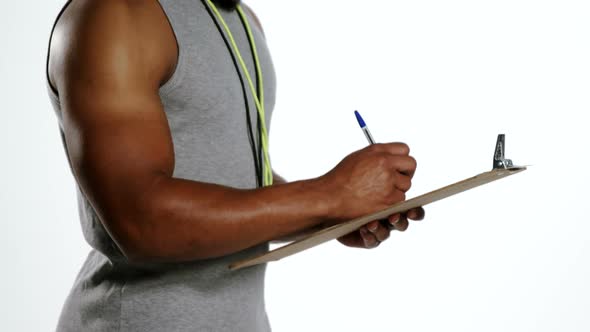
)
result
[(369, 137), (364, 127)]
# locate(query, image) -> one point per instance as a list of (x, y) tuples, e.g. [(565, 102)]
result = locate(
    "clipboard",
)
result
[(502, 168)]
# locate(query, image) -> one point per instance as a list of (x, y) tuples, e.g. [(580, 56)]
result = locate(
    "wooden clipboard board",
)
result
[(339, 230)]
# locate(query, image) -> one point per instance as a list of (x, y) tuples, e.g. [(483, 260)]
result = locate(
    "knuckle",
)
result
[(403, 182), (375, 147), (384, 162), (412, 162), (404, 148), (407, 184), (401, 196), (396, 196)]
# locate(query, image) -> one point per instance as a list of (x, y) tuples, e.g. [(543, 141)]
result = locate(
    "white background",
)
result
[(444, 76)]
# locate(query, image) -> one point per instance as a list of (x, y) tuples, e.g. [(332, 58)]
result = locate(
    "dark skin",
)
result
[(107, 61)]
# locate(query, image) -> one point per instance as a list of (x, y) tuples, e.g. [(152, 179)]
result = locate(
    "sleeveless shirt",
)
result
[(205, 103)]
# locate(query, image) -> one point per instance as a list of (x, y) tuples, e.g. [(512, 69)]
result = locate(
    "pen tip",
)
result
[(360, 120)]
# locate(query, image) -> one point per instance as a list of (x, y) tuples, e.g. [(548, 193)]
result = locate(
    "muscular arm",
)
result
[(109, 58), (112, 58)]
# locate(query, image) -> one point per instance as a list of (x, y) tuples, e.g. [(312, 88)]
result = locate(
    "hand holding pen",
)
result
[(375, 232)]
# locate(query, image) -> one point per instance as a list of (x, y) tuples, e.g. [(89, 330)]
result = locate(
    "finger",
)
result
[(353, 240), (396, 148), (396, 196), (380, 232), (369, 239), (373, 225), (402, 224), (416, 214), (403, 182), (403, 164), (394, 219)]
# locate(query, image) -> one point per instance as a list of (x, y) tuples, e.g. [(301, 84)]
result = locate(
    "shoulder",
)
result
[(112, 33)]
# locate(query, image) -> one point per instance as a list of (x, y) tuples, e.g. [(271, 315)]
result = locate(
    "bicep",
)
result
[(116, 146), (116, 131)]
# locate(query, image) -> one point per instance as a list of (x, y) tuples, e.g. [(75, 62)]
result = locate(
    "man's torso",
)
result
[(205, 104)]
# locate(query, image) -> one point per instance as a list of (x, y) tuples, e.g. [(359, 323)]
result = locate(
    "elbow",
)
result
[(152, 237), (139, 232), (158, 229), (140, 245), (132, 241)]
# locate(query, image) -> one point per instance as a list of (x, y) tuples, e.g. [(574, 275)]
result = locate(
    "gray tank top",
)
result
[(205, 103)]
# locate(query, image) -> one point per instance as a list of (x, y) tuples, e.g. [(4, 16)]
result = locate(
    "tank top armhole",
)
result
[(53, 89), (176, 76)]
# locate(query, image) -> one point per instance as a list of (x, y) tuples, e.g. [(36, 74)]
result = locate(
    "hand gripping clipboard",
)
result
[(502, 168)]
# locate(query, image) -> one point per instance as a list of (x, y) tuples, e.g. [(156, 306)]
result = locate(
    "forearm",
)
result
[(278, 180), (185, 220)]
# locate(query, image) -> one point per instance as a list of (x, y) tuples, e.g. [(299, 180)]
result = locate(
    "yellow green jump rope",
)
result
[(267, 177)]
